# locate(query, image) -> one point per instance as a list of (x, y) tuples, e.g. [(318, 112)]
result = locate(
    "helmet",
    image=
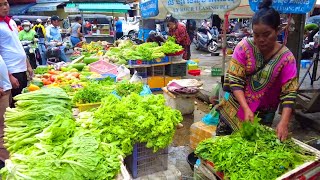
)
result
[(17, 21), (39, 21), (26, 23)]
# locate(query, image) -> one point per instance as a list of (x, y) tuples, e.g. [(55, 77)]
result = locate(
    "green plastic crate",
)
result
[(216, 71)]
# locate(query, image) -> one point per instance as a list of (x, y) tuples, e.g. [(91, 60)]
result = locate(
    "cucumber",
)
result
[(89, 60), (78, 66)]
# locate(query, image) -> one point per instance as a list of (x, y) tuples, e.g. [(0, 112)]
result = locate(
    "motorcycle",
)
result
[(53, 52), (32, 53), (207, 40)]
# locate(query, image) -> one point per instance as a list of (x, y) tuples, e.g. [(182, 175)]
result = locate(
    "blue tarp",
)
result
[(20, 9)]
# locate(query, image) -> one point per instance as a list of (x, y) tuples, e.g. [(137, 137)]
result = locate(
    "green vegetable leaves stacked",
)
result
[(45, 143), (170, 46), (134, 119), (124, 88), (252, 153)]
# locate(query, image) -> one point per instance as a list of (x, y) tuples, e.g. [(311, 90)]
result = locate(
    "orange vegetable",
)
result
[(33, 87), (53, 72), (46, 81)]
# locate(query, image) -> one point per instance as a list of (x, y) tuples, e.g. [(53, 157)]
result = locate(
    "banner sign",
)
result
[(199, 9), (149, 8), (287, 6)]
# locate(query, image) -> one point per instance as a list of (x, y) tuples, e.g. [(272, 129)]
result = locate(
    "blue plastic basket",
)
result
[(138, 62), (160, 61)]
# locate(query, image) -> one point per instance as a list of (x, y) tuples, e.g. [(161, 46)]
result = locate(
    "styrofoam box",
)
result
[(185, 104)]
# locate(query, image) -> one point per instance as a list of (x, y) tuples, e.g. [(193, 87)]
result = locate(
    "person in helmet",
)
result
[(41, 32), (18, 22), (27, 34), (154, 37)]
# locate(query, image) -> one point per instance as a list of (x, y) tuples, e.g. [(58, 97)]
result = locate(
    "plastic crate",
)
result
[(179, 69), (85, 107), (144, 161), (216, 72), (138, 62), (160, 60), (156, 82), (156, 70), (143, 72), (103, 67)]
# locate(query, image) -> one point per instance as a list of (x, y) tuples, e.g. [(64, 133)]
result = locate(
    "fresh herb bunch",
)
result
[(125, 88), (252, 153)]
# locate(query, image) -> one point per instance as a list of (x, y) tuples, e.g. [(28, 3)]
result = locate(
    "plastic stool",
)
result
[(305, 62)]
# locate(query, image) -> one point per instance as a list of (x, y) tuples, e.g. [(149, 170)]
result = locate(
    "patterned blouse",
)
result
[(276, 83)]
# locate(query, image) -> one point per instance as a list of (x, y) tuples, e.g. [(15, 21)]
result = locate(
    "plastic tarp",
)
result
[(20, 8), (44, 7), (242, 11)]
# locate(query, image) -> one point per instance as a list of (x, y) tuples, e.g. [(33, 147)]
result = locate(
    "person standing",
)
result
[(53, 34), (12, 52), (76, 34), (5, 91), (41, 32), (179, 31), (191, 27), (262, 74), (119, 31)]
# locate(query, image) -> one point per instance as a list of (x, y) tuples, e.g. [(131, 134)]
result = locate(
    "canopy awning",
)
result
[(20, 9), (98, 7), (44, 7)]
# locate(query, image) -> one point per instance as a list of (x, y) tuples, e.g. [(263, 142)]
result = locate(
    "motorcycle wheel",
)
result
[(196, 43), (213, 47)]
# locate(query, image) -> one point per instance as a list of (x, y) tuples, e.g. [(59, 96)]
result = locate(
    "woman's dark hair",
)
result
[(78, 18), (171, 19), (267, 15)]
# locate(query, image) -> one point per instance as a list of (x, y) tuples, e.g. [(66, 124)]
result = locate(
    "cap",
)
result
[(39, 20), (55, 18)]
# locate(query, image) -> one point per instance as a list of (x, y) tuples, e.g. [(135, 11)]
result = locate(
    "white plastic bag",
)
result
[(123, 73), (136, 78)]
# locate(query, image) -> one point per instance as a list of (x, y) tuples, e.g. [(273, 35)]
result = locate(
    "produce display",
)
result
[(45, 142), (125, 88), (252, 153), (124, 122), (170, 46)]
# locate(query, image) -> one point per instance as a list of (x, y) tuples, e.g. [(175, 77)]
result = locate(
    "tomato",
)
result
[(46, 81), (53, 78)]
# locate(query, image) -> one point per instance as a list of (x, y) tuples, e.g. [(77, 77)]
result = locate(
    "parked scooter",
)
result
[(207, 39), (53, 52)]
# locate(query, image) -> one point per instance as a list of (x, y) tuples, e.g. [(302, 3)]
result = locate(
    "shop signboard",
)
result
[(199, 9), (51, 1), (287, 6), (149, 8)]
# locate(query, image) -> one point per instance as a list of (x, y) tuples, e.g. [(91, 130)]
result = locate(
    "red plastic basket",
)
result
[(103, 67), (176, 54), (194, 72)]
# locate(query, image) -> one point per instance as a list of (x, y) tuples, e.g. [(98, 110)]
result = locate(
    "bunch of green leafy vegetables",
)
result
[(124, 88), (170, 46), (45, 143), (93, 92), (134, 119), (42, 69), (252, 153)]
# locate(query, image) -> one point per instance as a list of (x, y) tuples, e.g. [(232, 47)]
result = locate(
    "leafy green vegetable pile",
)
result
[(94, 91), (252, 153), (45, 143), (124, 88), (170, 46), (133, 119), (42, 70)]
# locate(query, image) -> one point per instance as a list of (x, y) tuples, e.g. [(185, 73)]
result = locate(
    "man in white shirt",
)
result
[(5, 87), (12, 51)]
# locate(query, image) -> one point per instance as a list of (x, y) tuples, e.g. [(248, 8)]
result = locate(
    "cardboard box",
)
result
[(199, 132)]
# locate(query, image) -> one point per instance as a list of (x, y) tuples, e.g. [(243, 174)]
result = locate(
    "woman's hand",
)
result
[(14, 82), (248, 114), (282, 130), (1, 92)]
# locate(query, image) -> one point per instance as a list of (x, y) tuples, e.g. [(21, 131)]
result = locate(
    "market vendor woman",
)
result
[(179, 31), (262, 74)]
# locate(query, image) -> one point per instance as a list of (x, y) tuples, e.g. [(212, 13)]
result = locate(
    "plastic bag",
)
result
[(212, 118), (123, 73), (216, 94), (146, 91), (135, 78)]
